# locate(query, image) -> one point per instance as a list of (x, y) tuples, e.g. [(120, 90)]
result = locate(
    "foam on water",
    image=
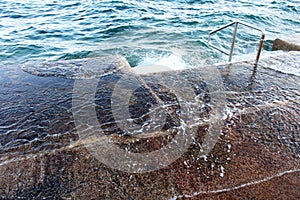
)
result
[(173, 61), (282, 64)]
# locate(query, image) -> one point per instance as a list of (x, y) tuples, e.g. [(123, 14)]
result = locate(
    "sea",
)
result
[(143, 32)]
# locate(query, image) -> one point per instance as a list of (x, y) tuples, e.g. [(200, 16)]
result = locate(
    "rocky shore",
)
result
[(43, 154)]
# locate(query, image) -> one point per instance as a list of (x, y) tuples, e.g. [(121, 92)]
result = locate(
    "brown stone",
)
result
[(286, 44)]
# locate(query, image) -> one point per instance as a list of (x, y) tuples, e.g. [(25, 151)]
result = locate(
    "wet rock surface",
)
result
[(287, 44), (257, 156), (78, 69)]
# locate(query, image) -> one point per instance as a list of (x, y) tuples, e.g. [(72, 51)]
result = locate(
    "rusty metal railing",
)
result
[(236, 23)]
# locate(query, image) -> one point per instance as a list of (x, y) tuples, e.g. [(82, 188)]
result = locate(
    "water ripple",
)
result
[(95, 26)]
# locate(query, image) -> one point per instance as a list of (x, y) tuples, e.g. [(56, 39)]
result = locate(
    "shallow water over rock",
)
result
[(45, 153)]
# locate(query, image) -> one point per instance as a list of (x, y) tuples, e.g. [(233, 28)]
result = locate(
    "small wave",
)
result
[(169, 62), (75, 55), (172, 61)]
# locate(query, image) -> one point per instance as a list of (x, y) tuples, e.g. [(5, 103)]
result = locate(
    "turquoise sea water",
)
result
[(139, 30)]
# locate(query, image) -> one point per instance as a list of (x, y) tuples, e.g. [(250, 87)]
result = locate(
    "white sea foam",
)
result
[(281, 61), (170, 62)]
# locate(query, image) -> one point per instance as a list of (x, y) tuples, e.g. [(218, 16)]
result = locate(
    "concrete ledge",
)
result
[(286, 44)]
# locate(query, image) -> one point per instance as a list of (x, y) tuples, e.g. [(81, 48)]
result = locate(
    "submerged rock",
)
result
[(79, 69), (48, 152)]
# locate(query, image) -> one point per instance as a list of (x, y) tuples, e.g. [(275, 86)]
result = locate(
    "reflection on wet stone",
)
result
[(256, 156)]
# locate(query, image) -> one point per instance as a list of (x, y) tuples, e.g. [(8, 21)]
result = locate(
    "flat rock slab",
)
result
[(46, 154)]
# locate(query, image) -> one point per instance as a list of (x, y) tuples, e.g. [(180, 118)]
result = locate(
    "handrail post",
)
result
[(261, 43), (233, 40)]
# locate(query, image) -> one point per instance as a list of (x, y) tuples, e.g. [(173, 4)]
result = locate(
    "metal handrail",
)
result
[(262, 38)]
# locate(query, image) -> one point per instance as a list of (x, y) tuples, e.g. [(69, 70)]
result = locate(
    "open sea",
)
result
[(142, 31)]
